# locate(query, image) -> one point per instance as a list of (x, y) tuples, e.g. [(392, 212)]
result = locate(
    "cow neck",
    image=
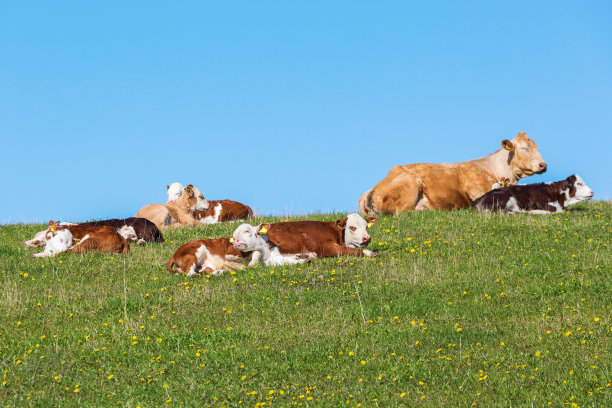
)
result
[(498, 164), (266, 246), (182, 203)]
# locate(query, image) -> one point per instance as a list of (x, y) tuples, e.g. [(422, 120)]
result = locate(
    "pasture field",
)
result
[(459, 309)]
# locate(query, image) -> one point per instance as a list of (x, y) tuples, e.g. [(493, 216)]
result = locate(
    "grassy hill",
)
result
[(459, 309)]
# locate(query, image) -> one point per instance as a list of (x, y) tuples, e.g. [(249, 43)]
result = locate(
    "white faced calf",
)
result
[(248, 238)]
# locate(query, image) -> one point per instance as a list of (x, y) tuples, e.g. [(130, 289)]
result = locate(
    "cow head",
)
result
[(174, 191), (38, 240), (192, 199), (576, 190), (355, 230), (247, 238), (128, 233), (524, 156)]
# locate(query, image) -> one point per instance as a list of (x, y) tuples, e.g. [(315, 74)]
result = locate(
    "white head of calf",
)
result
[(248, 238), (56, 241), (355, 230), (38, 240), (576, 191), (128, 233), (174, 192)]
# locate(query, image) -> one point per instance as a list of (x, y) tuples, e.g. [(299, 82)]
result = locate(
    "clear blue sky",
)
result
[(290, 107)]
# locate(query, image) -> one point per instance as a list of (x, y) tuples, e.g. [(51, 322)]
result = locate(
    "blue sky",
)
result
[(290, 107)]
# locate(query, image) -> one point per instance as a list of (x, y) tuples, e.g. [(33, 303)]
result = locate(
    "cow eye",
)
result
[(352, 228)]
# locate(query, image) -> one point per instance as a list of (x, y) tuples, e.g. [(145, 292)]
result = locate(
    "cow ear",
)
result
[(508, 145), (341, 224), (522, 135), (189, 189), (263, 228), (167, 187), (371, 221)]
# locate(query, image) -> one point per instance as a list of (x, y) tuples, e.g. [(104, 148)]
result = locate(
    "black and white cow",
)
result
[(540, 198)]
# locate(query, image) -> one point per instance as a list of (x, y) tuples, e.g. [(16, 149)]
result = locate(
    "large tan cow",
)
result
[(450, 186)]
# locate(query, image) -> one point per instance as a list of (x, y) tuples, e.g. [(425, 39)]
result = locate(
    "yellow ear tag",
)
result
[(263, 230), (52, 229), (231, 240), (369, 224)]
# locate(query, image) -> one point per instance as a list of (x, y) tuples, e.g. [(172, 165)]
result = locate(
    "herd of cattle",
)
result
[(486, 184)]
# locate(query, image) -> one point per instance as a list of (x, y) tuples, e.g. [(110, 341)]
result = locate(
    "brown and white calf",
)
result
[(136, 229), (539, 198), (223, 211), (215, 256), (450, 186), (180, 212), (323, 238), (218, 210), (78, 239)]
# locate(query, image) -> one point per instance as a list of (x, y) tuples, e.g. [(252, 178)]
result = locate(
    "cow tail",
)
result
[(249, 211)]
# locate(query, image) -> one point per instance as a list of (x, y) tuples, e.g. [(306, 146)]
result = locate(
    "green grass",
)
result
[(459, 309)]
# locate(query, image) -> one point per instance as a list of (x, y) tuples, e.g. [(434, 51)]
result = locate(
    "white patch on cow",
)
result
[(56, 243), (213, 219), (369, 254), (512, 205), (84, 238), (557, 206), (356, 234), (248, 239), (141, 241), (66, 223), (174, 192), (548, 183), (538, 212), (193, 271), (128, 232)]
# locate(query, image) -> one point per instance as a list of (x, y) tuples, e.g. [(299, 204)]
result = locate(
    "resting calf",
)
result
[(180, 212), (216, 256), (540, 198), (60, 238), (323, 238), (218, 210)]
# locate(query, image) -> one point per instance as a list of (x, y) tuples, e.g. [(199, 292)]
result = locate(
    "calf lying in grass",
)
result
[(539, 198), (77, 239), (218, 211), (179, 212), (219, 255), (324, 238)]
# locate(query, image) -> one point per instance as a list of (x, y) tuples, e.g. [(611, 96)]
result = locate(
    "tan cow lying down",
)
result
[(218, 255), (179, 212), (323, 238), (77, 239), (450, 186), (218, 210)]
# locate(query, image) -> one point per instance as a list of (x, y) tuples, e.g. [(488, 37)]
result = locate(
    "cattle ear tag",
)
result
[(231, 240), (369, 224), (52, 229), (263, 230)]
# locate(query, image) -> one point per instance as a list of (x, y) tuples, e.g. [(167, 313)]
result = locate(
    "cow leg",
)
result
[(337, 250), (255, 258), (400, 191)]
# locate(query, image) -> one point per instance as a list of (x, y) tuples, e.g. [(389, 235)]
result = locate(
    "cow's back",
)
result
[(303, 236)]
